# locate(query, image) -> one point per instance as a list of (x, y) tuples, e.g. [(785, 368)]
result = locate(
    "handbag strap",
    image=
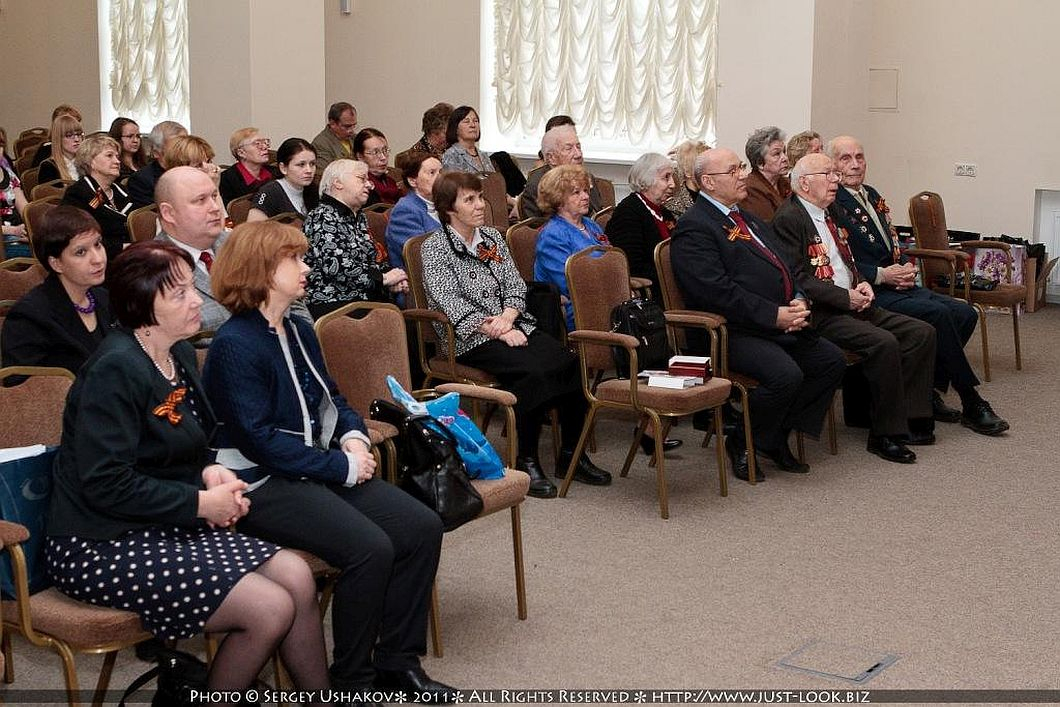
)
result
[(139, 682)]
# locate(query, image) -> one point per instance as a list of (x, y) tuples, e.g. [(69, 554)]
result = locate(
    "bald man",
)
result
[(894, 348), (863, 212), (559, 146), (729, 262)]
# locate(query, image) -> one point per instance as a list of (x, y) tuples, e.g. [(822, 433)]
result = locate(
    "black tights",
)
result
[(571, 408)]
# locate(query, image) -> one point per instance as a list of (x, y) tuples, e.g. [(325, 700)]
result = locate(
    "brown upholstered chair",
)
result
[(29, 140), (496, 196), (379, 208), (27, 174), (31, 215), (18, 276), (597, 278), (239, 208), (522, 244), (603, 216), (607, 191), (56, 187), (397, 176), (32, 412), (142, 223), (377, 221), (928, 217), (291, 218)]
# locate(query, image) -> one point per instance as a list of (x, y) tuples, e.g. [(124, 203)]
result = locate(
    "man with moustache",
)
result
[(894, 348), (729, 262)]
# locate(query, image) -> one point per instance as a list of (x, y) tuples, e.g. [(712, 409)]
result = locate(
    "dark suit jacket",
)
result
[(44, 329), (142, 184), (633, 229), (731, 278), (111, 220), (869, 246), (796, 231)]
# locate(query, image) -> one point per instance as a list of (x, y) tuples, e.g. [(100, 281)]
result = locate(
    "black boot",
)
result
[(584, 471), (540, 485)]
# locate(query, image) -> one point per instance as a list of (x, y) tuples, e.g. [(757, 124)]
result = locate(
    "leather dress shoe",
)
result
[(941, 411), (740, 459), (980, 417), (786, 461), (891, 449), (540, 485), (417, 684), (584, 471), (648, 444)]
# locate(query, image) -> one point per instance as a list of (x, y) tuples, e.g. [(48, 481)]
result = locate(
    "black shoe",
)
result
[(648, 444), (919, 439), (740, 459), (417, 685), (540, 485), (980, 417), (941, 411), (891, 449), (786, 461), (584, 471)]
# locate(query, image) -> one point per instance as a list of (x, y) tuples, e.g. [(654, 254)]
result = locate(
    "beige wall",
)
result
[(840, 92)]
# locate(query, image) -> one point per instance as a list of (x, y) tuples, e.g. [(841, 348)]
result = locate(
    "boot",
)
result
[(584, 471), (540, 485)]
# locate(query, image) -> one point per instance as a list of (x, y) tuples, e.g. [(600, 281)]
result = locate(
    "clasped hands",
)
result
[(502, 327), (222, 503), (396, 280), (794, 316), (900, 277), (861, 297)]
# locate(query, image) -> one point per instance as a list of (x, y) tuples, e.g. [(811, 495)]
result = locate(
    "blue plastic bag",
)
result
[(479, 457)]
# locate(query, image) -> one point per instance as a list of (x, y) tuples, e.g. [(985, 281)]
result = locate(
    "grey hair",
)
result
[(799, 170), (336, 169), (699, 167), (758, 144), (550, 142), (644, 172), (159, 133)]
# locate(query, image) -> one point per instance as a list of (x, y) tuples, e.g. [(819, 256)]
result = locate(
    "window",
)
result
[(143, 60), (636, 75)]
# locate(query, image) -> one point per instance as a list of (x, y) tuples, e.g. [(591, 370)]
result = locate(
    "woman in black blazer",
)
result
[(640, 220), (97, 192), (61, 321)]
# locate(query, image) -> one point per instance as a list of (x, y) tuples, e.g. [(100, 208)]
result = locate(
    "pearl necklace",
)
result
[(172, 375)]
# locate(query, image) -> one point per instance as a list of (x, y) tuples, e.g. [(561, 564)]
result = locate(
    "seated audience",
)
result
[(564, 194), (433, 142), (132, 481), (370, 146), (97, 191), (462, 134), (12, 202), (295, 191), (251, 170), (142, 182), (802, 144), (494, 332), (414, 213), (67, 133), (768, 185), (126, 133), (61, 321), (290, 434), (44, 150), (345, 263), (559, 146), (335, 141), (640, 220), (684, 157)]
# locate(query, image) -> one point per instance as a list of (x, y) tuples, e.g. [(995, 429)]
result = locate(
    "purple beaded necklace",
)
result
[(90, 307)]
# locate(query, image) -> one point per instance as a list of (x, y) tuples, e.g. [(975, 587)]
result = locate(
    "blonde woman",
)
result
[(67, 136)]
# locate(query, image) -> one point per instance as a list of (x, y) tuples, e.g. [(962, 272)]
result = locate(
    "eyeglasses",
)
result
[(834, 175), (75, 134), (260, 142), (380, 151), (734, 171)]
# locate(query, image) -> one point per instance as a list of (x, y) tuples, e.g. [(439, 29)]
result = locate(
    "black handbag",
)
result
[(178, 674), (645, 320), (429, 467)]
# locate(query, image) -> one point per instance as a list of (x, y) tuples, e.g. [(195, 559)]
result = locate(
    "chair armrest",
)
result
[(12, 533), (639, 283), (606, 338), (692, 318), (425, 315), (996, 245), (949, 255), (478, 392)]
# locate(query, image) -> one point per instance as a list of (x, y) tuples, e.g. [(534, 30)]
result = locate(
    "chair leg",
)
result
[(660, 468), (749, 441), (633, 447), (69, 673), (9, 662), (104, 678), (666, 433), (719, 451), (1016, 335), (211, 647), (578, 449), (833, 448), (436, 623), (986, 344), (517, 551)]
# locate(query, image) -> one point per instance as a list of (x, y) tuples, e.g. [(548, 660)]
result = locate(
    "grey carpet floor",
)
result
[(950, 564)]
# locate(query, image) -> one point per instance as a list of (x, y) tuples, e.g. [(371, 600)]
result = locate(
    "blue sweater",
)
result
[(559, 239), (408, 218)]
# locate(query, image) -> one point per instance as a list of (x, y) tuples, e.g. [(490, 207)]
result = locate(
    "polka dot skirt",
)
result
[(174, 578)]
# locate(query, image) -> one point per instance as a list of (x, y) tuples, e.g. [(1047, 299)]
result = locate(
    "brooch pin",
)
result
[(168, 409)]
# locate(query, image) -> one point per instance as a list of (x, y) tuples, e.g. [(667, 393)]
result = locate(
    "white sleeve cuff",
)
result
[(356, 434), (879, 276), (353, 470)]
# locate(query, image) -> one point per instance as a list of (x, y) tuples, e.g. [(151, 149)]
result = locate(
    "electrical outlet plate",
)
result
[(965, 169)]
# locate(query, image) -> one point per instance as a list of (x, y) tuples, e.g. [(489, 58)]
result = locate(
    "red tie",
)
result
[(737, 217), (206, 259)]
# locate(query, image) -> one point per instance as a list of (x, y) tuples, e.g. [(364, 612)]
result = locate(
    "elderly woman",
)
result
[(345, 263), (370, 146), (684, 158), (12, 202), (67, 133), (291, 435), (97, 191), (803, 144), (294, 192), (126, 133), (61, 321), (434, 124), (132, 484), (191, 151), (768, 185), (564, 193), (494, 331), (414, 213), (462, 134), (251, 151)]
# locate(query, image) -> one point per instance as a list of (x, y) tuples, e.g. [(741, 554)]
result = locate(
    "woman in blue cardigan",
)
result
[(414, 213), (288, 432)]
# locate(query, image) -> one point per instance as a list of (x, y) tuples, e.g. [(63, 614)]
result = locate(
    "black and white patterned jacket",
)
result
[(344, 263)]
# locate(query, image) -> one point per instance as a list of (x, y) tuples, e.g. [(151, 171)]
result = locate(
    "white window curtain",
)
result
[(634, 74), (149, 57)]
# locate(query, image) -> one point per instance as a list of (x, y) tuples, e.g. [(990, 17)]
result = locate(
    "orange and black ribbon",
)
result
[(168, 409), (486, 253)]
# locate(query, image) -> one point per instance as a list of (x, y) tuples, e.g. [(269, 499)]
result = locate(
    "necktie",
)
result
[(840, 243), (206, 259), (863, 198), (736, 216)]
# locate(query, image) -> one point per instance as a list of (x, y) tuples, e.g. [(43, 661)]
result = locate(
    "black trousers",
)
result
[(954, 321), (385, 542), (899, 363), (797, 378)]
